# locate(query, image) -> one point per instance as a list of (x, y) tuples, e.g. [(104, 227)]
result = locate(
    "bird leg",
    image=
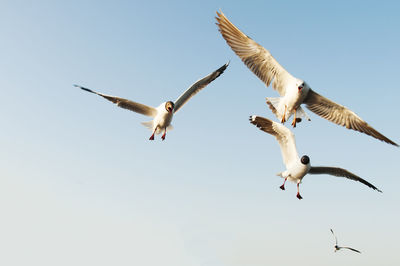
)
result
[(152, 136), (295, 119), (284, 116), (165, 132), (283, 185), (298, 192)]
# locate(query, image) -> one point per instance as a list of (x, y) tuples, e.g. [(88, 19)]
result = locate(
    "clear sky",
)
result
[(81, 184)]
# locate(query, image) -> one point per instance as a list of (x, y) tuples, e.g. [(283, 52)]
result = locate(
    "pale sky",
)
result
[(81, 184)]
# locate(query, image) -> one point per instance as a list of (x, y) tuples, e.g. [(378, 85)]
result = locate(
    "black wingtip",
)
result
[(252, 119), (222, 69), (85, 89)]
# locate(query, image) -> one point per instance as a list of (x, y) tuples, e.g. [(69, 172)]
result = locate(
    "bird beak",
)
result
[(300, 88), (170, 109)]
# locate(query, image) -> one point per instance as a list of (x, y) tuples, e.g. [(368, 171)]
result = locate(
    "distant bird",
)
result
[(293, 91), (296, 167), (162, 115), (337, 248)]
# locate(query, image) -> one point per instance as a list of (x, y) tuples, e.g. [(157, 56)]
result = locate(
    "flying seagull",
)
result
[(337, 248), (296, 167), (162, 115), (293, 91)]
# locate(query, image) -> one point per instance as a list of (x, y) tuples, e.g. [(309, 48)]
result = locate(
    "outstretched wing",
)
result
[(334, 236), (341, 115), (282, 134), (197, 86), (335, 171), (256, 58), (127, 104), (352, 249)]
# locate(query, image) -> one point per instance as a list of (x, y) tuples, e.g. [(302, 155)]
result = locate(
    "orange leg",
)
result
[(284, 116), (294, 120)]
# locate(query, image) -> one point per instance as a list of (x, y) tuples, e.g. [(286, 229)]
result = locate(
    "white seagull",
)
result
[(293, 91), (162, 115), (296, 167), (337, 248)]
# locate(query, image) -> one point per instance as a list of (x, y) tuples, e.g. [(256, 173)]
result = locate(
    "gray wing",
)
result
[(197, 86), (283, 135), (341, 115), (335, 171), (352, 249), (127, 104), (256, 58), (334, 236)]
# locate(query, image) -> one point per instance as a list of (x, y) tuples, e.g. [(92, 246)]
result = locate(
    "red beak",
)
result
[(170, 109)]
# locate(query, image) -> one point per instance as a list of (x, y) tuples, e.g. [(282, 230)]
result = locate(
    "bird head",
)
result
[(302, 86), (305, 160), (169, 106)]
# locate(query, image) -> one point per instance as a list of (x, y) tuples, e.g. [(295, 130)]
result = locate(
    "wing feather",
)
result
[(197, 86), (352, 249), (340, 172), (254, 56), (334, 236), (283, 135), (126, 104), (341, 115)]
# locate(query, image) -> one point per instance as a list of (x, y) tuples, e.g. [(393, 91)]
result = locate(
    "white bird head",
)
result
[(169, 106), (302, 86)]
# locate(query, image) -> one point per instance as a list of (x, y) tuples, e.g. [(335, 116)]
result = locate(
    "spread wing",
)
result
[(256, 58), (334, 236), (341, 173), (341, 115), (282, 134), (352, 249), (197, 86), (127, 104)]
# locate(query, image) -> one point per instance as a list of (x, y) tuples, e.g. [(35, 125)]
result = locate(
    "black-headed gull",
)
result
[(337, 248), (293, 91), (162, 115), (296, 167)]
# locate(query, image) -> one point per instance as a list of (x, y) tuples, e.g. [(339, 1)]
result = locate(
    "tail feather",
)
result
[(301, 113), (148, 124), (273, 104)]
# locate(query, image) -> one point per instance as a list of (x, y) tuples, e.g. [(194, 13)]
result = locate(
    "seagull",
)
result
[(337, 248), (296, 167), (162, 115), (293, 91)]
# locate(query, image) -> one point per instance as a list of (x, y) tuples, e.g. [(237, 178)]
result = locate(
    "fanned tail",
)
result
[(302, 114), (148, 124), (274, 105)]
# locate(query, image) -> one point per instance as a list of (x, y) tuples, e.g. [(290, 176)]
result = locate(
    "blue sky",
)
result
[(82, 185)]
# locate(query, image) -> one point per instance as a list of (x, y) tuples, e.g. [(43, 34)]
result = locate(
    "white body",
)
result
[(291, 101), (161, 121), (295, 171)]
